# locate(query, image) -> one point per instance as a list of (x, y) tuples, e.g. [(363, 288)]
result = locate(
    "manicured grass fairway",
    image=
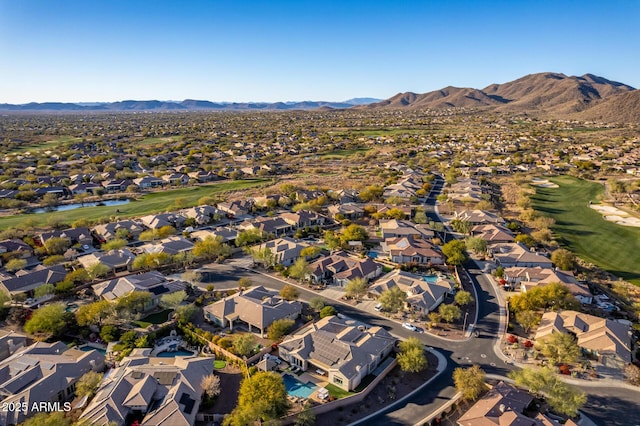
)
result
[(155, 202), (584, 231)]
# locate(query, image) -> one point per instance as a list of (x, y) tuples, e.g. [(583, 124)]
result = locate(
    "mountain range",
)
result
[(551, 94), (547, 94), (186, 105)]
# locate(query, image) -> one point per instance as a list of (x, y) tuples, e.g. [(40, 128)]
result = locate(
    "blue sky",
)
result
[(109, 50)]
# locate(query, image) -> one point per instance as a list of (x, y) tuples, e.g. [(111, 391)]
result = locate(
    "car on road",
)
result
[(409, 326)]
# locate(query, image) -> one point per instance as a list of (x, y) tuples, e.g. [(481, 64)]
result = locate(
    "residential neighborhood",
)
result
[(342, 291)]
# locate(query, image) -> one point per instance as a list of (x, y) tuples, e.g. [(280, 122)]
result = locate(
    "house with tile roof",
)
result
[(269, 225), (346, 352), (162, 391), (42, 372), (504, 405), (527, 278), (479, 217), (26, 281), (394, 228), (171, 245), (493, 233), (609, 340), (109, 231), (116, 260), (153, 282), (285, 250), (257, 307), (411, 250), (517, 255), (422, 296), (340, 268)]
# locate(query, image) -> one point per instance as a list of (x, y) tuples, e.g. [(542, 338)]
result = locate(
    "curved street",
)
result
[(605, 405)]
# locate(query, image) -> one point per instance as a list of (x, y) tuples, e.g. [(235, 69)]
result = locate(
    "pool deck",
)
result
[(307, 376)]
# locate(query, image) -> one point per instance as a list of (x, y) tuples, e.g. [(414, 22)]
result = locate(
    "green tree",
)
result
[(328, 311), (393, 299), (454, 251), (289, 292), (563, 259), (53, 260), (527, 319), (526, 239), (49, 319), (56, 245), (356, 288), (559, 348), (463, 298), (184, 314), (263, 255), (262, 397), (449, 313), (420, 217), (243, 344), (114, 244), (94, 313), (470, 382), (78, 276), (87, 385), (561, 397), (353, 232), (332, 241), (134, 302), (310, 252), (44, 290), (371, 193), (279, 328), (411, 357), (552, 296), (15, 264), (98, 270), (316, 303), (172, 300), (249, 236), (109, 333), (461, 226), (476, 245), (434, 318), (55, 418), (212, 248), (300, 269)]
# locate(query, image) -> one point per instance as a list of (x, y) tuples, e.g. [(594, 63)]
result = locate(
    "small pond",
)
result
[(65, 207)]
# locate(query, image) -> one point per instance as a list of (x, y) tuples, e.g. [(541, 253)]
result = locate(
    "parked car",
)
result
[(409, 326), (378, 307)]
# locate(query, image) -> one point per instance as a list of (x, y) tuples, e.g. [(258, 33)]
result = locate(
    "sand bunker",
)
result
[(543, 183), (615, 215)]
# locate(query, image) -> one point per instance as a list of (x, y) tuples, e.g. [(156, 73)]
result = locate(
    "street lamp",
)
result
[(464, 326)]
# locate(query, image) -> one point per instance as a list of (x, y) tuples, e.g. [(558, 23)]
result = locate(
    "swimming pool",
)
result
[(430, 278), (296, 388), (87, 348), (181, 352)]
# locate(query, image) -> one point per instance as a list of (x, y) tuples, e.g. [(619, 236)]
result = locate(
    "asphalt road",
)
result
[(605, 405)]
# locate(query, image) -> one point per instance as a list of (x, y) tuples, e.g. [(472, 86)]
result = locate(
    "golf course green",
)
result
[(579, 228)]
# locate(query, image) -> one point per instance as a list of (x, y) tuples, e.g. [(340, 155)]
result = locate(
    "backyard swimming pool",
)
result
[(296, 388), (180, 352), (430, 278)]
